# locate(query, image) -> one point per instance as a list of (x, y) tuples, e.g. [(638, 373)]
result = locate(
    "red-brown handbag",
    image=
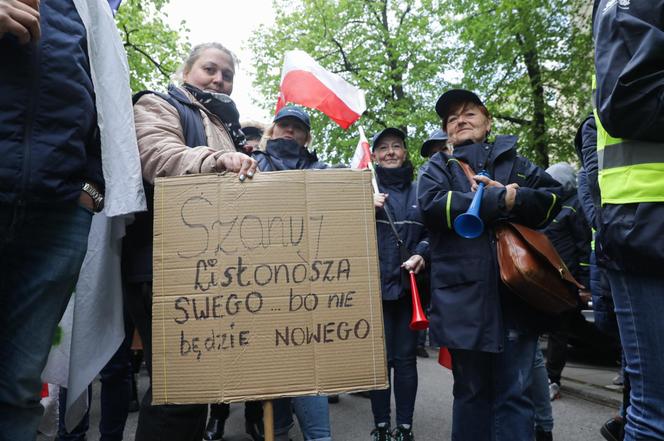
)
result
[(531, 267)]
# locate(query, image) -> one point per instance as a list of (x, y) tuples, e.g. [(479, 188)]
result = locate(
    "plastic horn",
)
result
[(419, 320), (469, 224)]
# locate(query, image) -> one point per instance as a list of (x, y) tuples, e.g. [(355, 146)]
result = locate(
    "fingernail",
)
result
[(241, 177), (250, 174)]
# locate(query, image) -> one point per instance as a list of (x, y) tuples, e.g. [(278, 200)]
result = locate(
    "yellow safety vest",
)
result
[(630, 171)]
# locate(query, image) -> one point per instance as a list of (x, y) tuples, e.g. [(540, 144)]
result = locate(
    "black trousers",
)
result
[(165, 422)]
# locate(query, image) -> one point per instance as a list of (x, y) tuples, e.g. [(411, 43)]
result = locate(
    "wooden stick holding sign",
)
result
[(268, 420)]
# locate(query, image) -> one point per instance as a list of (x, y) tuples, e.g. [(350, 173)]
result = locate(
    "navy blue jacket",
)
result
[(49, 142), (284, 154), (468, 300), (403, 207), (570, 235), (629, 67), (629, 64)]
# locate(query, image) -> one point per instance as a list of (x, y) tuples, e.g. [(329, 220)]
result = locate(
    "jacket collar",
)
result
[(399, 177), (289, 152)]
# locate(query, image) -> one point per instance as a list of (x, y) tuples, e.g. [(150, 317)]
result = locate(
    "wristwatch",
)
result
[(97, 197)]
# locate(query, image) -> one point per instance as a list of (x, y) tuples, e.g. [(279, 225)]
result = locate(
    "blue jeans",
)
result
[(539, 393), (401, 344), (491, 400), (115, 396), (41, 252), (313, 414), (639, 302)]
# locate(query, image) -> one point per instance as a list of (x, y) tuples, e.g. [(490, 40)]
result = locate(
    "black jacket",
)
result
[(629, 67), (49, 142), (570, 235), (468, 300), (629, 64), (403, 207), (284, 154)]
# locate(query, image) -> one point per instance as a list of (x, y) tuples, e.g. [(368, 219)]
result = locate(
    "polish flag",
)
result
[(362, 156), (305, 82)]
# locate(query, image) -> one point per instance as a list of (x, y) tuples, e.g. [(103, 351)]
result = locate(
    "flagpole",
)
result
[(370, 164)]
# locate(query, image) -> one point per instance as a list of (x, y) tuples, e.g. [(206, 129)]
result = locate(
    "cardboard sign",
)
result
[(265, 288)]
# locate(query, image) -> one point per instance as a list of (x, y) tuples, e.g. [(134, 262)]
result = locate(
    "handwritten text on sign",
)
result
[(283, 267)]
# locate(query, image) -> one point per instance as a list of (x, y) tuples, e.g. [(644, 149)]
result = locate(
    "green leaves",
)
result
[(530, 60), (391, 50), (154, 49)]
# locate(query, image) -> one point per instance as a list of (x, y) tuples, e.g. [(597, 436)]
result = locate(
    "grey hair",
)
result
[(563, 173)]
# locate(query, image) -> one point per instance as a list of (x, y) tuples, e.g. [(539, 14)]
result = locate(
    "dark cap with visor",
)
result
[(437, 136), (388, 131), (452, 97), (293, 112)]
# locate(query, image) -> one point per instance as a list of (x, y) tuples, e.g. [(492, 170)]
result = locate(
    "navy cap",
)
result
[(252, 132), (437, 136), (388, 131), (455, 96), (293, 112)]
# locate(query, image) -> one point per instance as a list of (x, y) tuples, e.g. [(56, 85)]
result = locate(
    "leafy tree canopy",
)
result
[(529, 59), (390, 49), (154, 49)]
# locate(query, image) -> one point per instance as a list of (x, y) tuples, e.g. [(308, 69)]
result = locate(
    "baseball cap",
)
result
[(436, 136), (293, 112), (455, 96), (387, 131)]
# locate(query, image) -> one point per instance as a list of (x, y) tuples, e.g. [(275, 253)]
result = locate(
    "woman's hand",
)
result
[(379, 199), (20, 18), (237, 162), (488, 182), (415, 263), (510, 195)]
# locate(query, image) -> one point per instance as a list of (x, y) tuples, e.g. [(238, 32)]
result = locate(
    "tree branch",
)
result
[(513, 119), (129, 44)]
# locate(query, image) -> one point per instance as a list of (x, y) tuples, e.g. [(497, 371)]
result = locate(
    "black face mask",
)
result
[(224, 108)]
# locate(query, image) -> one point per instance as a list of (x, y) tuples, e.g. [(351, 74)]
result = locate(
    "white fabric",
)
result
[(352, 96), (93, 326)]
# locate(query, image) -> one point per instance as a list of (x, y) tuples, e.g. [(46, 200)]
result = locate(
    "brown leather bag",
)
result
[(531, 267)]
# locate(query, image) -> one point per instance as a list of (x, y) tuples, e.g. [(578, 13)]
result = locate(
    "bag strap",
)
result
[(390, 220)]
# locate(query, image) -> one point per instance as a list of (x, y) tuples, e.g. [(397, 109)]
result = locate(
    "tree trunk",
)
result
[(531, 61)]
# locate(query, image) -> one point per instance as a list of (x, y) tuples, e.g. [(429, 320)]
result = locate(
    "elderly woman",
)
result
[(194, 128), (284, 147), (394, 173), (473, 313)]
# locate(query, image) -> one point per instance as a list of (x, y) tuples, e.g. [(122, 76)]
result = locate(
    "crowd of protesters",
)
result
[(72, 145)]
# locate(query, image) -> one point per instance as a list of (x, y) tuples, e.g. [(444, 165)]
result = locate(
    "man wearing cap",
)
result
[(437, 142), (489, 331), (402, 247)]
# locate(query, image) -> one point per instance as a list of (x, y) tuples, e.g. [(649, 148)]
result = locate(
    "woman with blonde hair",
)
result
[(194, 128)]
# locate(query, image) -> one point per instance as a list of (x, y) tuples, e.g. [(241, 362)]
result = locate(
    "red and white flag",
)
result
[(362, 156), (305, 82)]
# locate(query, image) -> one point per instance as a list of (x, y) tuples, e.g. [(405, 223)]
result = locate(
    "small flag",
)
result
[(305, 82), (362, 156)]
